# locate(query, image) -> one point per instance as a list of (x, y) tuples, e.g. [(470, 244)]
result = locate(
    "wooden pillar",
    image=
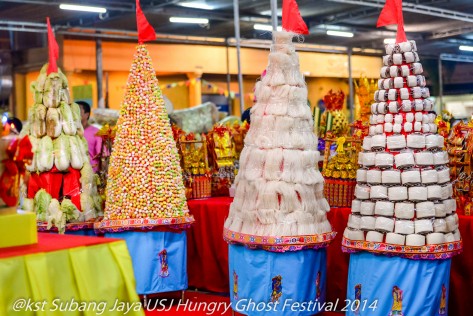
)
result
[(195, 88)]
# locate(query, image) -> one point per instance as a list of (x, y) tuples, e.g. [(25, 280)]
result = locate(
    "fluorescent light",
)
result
[(175, 19), (265, 27), (466, 48), (83, 8), (339, 33), (196, 5), (389, 41)]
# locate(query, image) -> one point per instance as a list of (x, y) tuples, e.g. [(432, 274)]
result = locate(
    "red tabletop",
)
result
[(208, 255), (52, 242)]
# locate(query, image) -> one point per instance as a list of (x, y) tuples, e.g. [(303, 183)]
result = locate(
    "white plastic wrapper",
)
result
[(446, 191), (431, 141), (391, 177), (404, 160), (440, 225), (440, 158), (404, 210), (411, 176), (423, 226), (362, 192), (404, 227), (378, 192), (425, 210), (367, 208), (416, 141), (393, 107), (396, 142), (415, 240), (424, 158), (450, 206), (418, 193), (435, 238), (395, 239), (434, 192), (373, 176), (354, 221), (361, 175), (440, 210), (384, 208), (375, 236), (367, 222), (397, 193), (429, 176), (369, 159), (355, 206), (384, 224), (384, 160), (366, 143), (443, 175)]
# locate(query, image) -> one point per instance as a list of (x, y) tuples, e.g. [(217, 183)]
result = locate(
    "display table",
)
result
[(63, 272), (208, 255)]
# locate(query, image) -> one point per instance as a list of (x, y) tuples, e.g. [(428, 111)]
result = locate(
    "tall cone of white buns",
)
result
[(279, 190), (403, 193)]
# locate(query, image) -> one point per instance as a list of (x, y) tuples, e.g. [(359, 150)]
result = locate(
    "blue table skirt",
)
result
[(268, 283), (388, 286), (82, 232), (159, 260)]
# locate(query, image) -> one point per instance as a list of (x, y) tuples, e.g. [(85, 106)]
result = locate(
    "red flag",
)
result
[(392, 14), (291, 18), (53, 49), (145, 30)]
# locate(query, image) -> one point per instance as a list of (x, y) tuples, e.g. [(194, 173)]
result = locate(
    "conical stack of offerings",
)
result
[(279, 190), (279, 204), (62, 186), (403, 192), (144, 188)]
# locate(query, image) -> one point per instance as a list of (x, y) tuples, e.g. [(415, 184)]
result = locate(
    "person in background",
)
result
[(94, 142)]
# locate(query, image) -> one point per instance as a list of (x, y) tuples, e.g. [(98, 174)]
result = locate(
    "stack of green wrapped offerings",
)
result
[(62, 187)]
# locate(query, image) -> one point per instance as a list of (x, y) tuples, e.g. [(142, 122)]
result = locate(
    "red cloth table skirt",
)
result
[(208, 255), (207, 252)]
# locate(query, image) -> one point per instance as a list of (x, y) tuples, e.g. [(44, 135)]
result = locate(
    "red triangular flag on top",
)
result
[(145, 30), (392, 14), (53, 49), (291, 18)]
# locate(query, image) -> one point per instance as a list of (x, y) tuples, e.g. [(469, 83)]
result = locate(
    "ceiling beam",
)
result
[(415, 8), (347, 16), (450, 33), (457, 58)]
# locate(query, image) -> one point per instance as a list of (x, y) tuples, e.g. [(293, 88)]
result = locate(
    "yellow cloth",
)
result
[(98, 277), (18, 230)]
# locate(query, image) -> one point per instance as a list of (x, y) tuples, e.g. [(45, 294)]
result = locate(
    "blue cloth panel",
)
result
[(397, 286), (259, 279), (154, 274)]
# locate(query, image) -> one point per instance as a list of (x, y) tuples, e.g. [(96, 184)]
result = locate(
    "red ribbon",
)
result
[(146, 32), (392, 14), (291, 18)]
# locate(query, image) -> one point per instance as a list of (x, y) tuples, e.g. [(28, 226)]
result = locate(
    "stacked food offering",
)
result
[(279, 191), (144, 187), (62, 186), (279, 204), (404, 194), (404, 207)]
